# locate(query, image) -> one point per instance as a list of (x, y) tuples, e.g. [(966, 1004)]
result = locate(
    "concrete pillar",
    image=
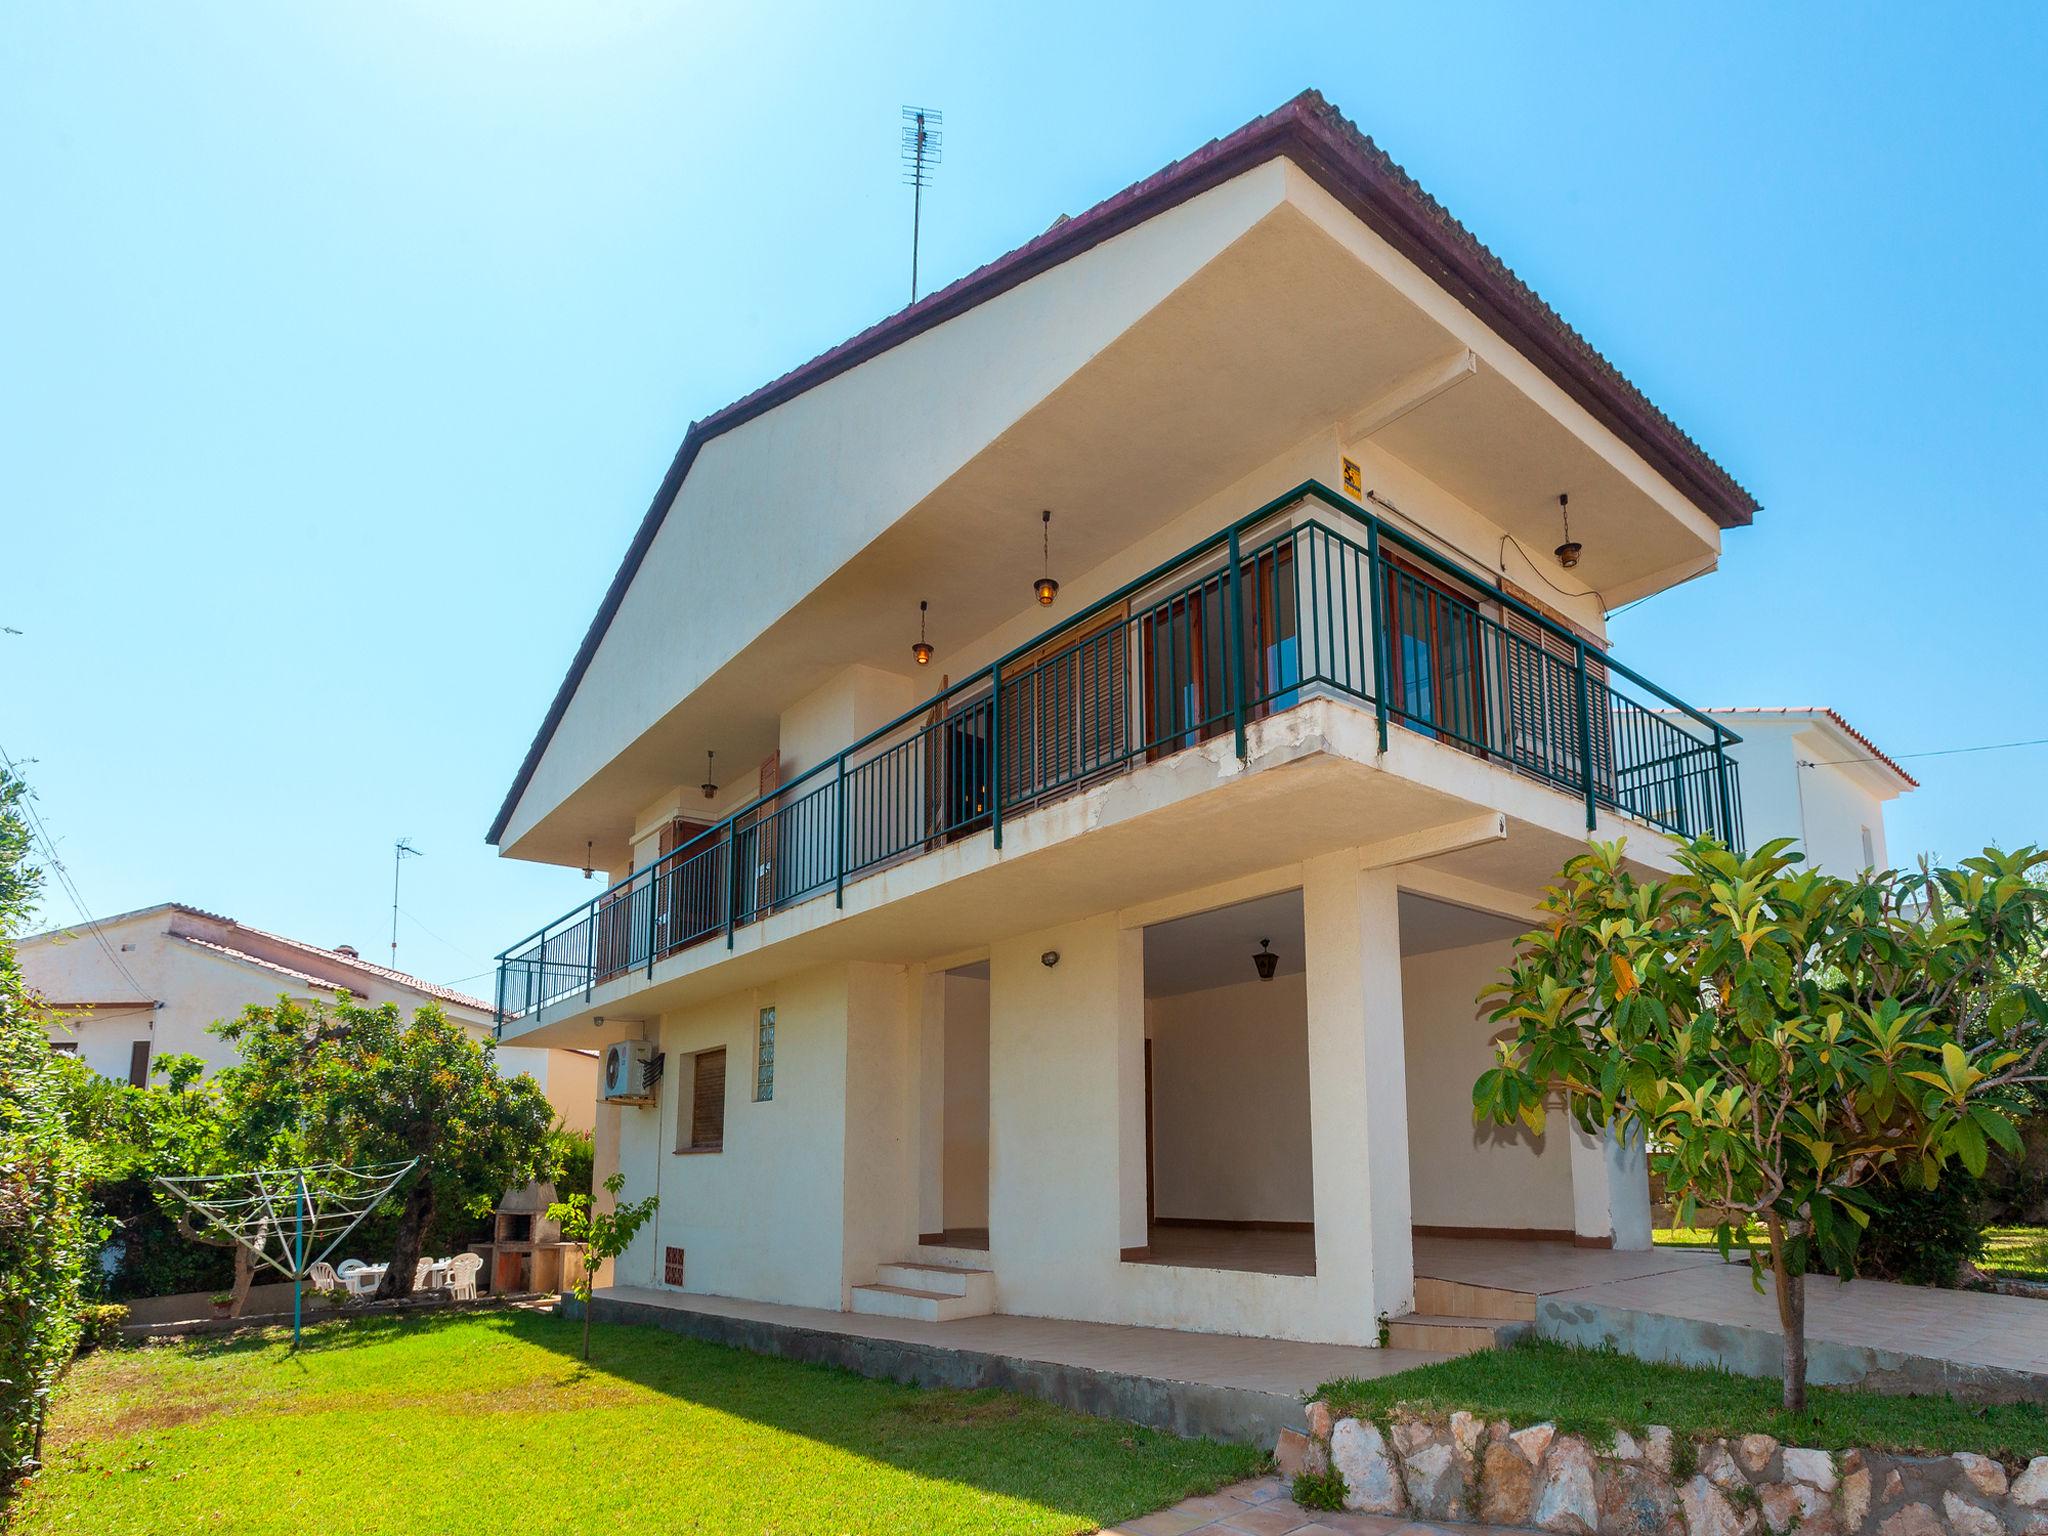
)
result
[(879, 1173), (1358, 1098), (1066, 1116), (1628, 1190), (928, 996)]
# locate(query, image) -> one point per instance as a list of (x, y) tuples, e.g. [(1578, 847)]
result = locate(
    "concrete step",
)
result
[(1454, 1298), (977, 1285), (1452, 1334), (905, 1301)]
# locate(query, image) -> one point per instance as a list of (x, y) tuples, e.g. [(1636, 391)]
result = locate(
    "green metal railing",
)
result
[(1307, 596)]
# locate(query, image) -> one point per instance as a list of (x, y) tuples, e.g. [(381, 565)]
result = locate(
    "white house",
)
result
[(1070, 757), (146, 984), (1810, 774)]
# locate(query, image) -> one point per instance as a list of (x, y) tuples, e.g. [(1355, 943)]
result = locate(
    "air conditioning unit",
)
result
[(630, 1067)]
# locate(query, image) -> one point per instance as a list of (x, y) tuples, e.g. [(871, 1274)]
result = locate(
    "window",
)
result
[(705, 1129), (64, 1047), (138, 1065), (1869, 850), (764, 1057)]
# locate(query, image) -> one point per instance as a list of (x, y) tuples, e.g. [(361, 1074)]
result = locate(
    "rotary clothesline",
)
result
[(296, 1208)]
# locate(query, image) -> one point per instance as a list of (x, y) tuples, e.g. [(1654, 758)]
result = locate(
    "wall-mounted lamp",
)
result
[(1568, 551), (922, 650), (710, 784), (1045, 589), (1266, 961)]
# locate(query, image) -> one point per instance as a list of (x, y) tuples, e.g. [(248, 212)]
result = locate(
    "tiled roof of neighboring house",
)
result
[(384, 972), (1877, 753), (1331, 149), (324, 983)]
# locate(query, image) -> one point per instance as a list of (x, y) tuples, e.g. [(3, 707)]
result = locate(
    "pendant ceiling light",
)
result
[(710, 784), (1568, 551), (1045, 589), (587, 870), (922, 650), (1266, 961)]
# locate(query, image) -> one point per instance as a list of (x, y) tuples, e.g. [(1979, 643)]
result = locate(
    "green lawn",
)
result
[(1592, 1392), (2018, 1253), (491, 1421)]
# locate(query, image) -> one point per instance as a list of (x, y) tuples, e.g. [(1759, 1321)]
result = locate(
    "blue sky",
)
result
[(341, 348)]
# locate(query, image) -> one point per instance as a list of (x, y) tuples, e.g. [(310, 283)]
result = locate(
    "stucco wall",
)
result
[(1230, 1131), (1461, 1174)]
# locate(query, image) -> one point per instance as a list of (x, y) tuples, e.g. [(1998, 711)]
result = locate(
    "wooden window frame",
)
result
[(696, 1143)]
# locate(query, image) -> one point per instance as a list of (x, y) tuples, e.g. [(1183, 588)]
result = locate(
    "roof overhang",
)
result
[(1347, 283)]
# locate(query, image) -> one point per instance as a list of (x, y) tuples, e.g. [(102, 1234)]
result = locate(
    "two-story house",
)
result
[(1069, 758)]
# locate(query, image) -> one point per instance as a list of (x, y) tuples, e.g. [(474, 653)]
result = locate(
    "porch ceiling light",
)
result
[(710, 784), (1568, 551), (1045, 589), (588, 872), (1266, 960), (922, 650)]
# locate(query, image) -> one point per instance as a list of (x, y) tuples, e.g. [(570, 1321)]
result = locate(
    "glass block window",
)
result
[(764, 1057)]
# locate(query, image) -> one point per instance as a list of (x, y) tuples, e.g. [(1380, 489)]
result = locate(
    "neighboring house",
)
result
[(1129, 949), (1810, 774), (147, 984)]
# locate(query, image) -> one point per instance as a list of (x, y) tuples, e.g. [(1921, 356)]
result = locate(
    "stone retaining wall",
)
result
[(1464, 1468)]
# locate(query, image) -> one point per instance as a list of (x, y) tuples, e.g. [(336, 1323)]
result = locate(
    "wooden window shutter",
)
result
[(707, 1103), (138, 1064)]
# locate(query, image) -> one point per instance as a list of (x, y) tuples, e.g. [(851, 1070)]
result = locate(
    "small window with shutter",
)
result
[(707, 1102)]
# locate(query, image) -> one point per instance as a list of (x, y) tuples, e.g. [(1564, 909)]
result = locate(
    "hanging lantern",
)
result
[(1266, 961), (922, 650), (710, 784), (1045, 589), (1568, 551), (588, 872)]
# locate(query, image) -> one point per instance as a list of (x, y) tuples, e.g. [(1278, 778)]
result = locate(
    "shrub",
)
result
[(99, 1326), (1922, 1236), (1319, 1490), (49, 1229)]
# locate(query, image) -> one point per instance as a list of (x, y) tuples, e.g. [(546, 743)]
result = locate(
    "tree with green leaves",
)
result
[(602, 1235), (1780, 1037), (49, 1230), (348, 1083)]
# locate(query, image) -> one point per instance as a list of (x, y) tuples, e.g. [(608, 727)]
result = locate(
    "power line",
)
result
[(70, 887), (1995, 746)]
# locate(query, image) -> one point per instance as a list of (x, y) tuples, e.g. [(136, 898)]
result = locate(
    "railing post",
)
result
[(590, 955), (1373, 585), (653, 884), (1585, 733), (1721, 781), (500, 1011), (1236, 661), (839, 884), (995, 752), (732, 875)]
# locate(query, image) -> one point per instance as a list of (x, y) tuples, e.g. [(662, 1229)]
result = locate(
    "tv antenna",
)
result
[(400, 852), (924, 141)]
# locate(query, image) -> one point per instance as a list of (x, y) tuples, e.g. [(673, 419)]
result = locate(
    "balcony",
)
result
[(1307, 597)]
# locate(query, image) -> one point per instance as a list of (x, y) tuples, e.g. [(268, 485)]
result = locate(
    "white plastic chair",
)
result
[(462, 1271), (323, 1277), (422, 1274), (349, 1267)]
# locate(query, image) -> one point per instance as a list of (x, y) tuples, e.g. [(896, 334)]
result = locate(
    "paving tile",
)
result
[(1168, 1522), (1276, 1518), (1363, 1525)]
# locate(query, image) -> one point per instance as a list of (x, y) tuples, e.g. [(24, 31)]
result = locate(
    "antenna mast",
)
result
[(400, 852), (923, 147)]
